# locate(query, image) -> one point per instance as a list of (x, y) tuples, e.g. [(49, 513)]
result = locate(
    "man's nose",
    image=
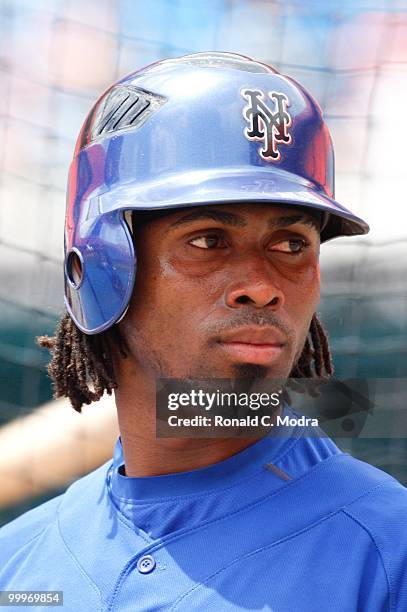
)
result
[(254, 284)]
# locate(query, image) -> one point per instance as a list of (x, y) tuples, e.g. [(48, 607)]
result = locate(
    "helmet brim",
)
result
[(262, 186)]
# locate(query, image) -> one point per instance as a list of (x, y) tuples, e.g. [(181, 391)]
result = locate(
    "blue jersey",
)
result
[(290, 524)]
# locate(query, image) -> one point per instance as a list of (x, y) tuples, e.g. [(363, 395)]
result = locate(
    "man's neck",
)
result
[(146, 455)]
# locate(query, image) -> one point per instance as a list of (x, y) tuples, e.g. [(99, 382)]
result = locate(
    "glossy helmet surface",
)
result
[(207, 128)]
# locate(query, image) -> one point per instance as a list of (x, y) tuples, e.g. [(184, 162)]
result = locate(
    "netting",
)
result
[(57, 57)]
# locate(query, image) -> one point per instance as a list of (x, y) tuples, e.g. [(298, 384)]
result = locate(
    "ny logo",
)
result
[(266, 125)]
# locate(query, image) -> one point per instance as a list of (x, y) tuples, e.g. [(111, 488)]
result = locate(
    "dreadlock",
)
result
[(81, 366), (315, 362)]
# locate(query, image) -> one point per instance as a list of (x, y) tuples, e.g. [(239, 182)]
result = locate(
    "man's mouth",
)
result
[(262, 346)]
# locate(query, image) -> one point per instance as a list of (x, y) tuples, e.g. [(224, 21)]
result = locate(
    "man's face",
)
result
[(223, 291)]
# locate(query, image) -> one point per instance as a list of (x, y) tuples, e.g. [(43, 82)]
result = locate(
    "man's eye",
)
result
[(294, 246), (208, 242)]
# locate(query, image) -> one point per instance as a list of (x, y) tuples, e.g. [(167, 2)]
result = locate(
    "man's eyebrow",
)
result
[(236, 221), (280, 222), (215, 215)]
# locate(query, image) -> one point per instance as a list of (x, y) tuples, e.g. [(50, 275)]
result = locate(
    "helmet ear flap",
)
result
[(123, 315), (74, 268), (108, 266), (128, 217)]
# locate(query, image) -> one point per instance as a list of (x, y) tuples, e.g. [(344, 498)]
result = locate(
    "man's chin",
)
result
[(258, 378), (251, 370)]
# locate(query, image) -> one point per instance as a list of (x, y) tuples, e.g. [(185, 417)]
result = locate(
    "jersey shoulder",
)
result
[(382, 514), (26, 528), (386, 500), (30, 526)]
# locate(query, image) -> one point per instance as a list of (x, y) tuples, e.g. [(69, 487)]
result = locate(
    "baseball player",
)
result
[(211, 176)]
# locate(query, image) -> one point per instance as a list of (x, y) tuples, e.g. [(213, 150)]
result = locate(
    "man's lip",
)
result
[(253, 336), (259, 354), (261, 346)]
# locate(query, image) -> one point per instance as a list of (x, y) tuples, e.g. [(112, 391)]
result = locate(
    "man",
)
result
[(217, 172)]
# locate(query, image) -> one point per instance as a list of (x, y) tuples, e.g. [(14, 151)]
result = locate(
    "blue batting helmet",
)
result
[(208, 128)]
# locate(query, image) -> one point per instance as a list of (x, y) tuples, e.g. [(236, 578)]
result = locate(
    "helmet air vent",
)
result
[(122, 108), (122, 111)]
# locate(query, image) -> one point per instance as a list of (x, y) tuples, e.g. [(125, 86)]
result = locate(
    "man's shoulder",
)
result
[(372, 499), (378, 480), (21, 533), (380, 514), (381, 509), (383, 505), (30, 526)]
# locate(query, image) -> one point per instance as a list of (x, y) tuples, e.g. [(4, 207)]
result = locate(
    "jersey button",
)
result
[(146, 564)]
